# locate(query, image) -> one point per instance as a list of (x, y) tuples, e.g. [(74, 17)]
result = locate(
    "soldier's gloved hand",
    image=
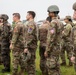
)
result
[(26, 50), (46, 54), (73, 59)]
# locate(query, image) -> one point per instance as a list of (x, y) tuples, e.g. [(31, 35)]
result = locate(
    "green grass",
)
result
[(64, 70)]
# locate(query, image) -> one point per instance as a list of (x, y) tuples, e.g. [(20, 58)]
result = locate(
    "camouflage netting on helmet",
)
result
[(4, 17)]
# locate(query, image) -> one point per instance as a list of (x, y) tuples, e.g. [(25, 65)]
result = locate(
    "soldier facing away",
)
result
[(5, 30), (43, 29), (73, 37), (53, 42)]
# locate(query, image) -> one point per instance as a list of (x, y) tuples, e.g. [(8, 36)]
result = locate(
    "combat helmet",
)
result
[(74, 6), (4, 17), (53, 8), (68, 17)]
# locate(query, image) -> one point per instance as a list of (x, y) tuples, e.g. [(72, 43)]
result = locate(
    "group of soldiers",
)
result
[(55, 38)]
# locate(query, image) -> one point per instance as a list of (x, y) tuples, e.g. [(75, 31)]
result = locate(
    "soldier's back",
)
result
[(43, 29)]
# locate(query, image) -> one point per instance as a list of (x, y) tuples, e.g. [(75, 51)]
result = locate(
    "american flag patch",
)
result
[(52, 31)]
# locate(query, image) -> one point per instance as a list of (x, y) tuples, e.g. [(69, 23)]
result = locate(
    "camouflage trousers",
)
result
[(52, 61), (42, 60), (75, 57), (31, 68), (17, 60), (5, 54), (67, 46)]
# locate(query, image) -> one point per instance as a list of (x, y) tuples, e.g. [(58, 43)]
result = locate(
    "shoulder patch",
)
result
[(52, 31), (30, 28)]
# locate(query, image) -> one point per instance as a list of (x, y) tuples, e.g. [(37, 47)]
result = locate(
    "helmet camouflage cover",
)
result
[(53, 8), (4, 17), (74, 6)]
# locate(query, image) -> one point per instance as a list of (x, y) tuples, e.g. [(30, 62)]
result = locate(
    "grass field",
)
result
[(64, 70)]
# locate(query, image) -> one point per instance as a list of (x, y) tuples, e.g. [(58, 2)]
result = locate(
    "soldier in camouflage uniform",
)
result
[(17, 45), (43, 29), (73, 36), (31, 42), (5, 30), (53, 42), (67, 46)]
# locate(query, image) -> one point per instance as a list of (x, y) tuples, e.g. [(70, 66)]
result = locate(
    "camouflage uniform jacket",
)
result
[(67, 32), (54, 34), (43, 30), (5, 30), (18, 35), (31, 35)]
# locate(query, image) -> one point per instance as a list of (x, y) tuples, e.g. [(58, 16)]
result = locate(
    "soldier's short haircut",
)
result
[(32, 13), (17, 15)]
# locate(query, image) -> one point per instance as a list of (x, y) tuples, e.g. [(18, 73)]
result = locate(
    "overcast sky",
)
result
[(39, 6)]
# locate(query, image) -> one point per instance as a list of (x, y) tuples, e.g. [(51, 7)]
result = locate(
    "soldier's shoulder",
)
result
[(54, 22), (32, 23), (20, 24), (44, 26), (57, 23), (69, 25)]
